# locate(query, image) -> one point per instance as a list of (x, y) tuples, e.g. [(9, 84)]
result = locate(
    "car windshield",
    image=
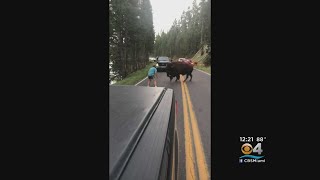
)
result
[(163, 59)]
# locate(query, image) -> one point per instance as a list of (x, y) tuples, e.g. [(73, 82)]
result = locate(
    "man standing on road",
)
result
[(152, 74)]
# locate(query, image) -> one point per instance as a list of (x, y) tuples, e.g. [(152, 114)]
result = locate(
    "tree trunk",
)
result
[(201, 39), (125, 61), (135, 56), (120, 54)]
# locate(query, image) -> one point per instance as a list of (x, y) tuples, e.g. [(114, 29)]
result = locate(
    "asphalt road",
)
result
[(193, 123)]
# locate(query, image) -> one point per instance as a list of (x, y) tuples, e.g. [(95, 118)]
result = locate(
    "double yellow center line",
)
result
[(196, 166)]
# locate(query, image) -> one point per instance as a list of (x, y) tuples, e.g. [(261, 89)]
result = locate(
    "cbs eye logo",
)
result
[(247, 148)]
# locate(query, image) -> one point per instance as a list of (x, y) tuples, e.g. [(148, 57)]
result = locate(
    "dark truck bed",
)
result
[(142, 137)]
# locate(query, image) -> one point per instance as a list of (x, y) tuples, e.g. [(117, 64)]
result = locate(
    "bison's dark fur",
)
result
[(174, 69)]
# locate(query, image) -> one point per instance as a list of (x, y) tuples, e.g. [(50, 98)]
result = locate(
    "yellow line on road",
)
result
[(190, 175), (201, 159), (200, 156)]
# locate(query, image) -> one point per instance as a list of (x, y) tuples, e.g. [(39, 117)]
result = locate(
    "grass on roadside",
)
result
[(135, 77), (204, 68)]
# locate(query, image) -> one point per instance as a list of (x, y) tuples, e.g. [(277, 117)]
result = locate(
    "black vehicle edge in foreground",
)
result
[(142, 133)]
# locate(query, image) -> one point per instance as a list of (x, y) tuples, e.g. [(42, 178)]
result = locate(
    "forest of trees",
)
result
[(188, 34), (131, 36)]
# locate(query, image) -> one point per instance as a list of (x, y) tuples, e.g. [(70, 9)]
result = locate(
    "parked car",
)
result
[(142, 133), (162, 62), (152, 59)]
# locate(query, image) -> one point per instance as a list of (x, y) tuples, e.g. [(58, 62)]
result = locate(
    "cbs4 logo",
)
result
[(248, 149)]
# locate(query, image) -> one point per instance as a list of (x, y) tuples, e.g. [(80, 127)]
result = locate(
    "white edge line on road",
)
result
[(202, 71), (141, 81)]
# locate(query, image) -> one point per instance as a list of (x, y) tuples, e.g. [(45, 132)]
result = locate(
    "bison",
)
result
[(174, 69)]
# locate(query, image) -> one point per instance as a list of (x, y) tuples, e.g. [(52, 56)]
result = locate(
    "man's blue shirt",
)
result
[(152, 71)]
